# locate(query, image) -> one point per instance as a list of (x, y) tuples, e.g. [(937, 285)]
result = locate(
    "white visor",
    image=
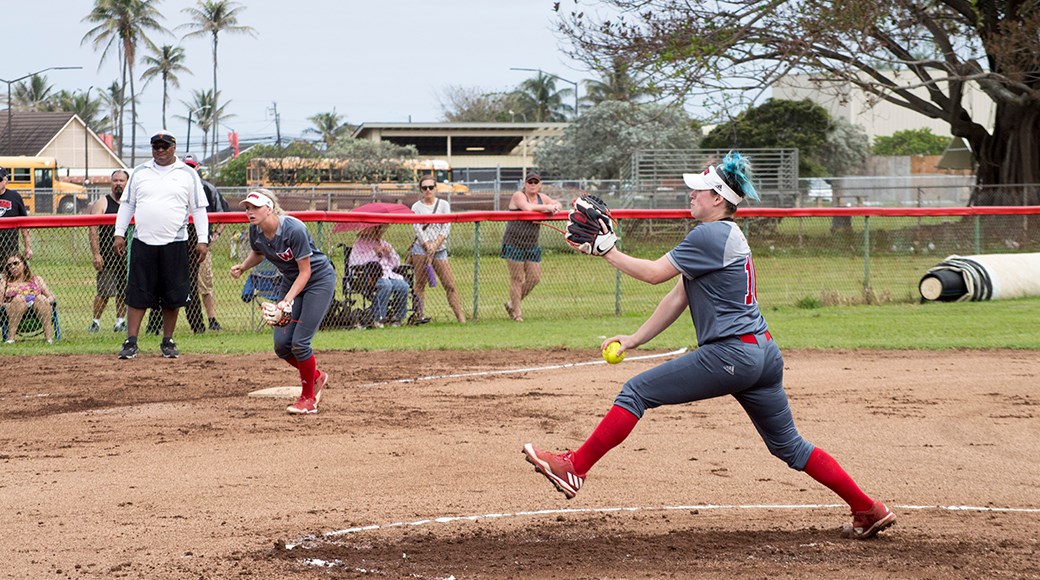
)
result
[(255, 198), (710, 179)]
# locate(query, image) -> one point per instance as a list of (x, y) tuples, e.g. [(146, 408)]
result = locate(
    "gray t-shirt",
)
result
[(719, 279), (291, 242)]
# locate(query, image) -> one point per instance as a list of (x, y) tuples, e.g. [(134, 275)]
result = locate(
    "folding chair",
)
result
[(30, 325), (359, 289), (262, 283)]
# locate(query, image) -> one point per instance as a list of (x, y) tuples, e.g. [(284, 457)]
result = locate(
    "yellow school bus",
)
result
[(36, 180)]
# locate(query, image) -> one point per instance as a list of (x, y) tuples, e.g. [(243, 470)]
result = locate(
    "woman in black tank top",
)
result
[(520, 246)]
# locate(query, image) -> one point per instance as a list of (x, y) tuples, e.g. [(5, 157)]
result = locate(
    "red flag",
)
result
[(232, 138)]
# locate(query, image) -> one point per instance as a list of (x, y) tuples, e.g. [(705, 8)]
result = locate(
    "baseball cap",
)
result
[(189, 160), (533, 175), (257, 199), (710, 179), (164, 136), (3, 172)]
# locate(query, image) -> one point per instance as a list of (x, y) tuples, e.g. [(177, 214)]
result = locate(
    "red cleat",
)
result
[(319, 385), (303, 406), (557, 468), (867, 524)]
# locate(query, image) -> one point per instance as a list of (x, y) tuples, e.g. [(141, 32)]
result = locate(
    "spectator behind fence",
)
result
[(430, 250), (217, 204), (160, 195), (520, 243), (111, 267), (11, 205), (391, 288), (21, 290)]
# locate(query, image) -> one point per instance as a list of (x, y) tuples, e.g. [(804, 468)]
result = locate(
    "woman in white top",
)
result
[(431, 249)]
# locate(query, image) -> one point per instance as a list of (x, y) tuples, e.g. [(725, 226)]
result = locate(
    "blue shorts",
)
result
[(418, 250), (511, 252)]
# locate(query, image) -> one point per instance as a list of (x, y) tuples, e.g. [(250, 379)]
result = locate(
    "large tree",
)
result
[(603, 138), (165, 63), (31, 94), (123, 25), (204, 115), (474, 105), (80, 103), (745, 46), (540, 101), (211, 18)]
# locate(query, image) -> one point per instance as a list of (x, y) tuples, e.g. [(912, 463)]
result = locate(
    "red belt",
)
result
[(750, 338)]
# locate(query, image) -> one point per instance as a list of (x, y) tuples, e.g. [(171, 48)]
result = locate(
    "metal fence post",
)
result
[(476, 271), (978, 235), (866, 252), (617, 278)]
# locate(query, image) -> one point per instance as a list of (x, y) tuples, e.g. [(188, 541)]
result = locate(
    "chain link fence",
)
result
[(804, 258)]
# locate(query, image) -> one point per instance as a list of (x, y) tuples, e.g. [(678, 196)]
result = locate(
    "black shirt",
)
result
[(11, 205)]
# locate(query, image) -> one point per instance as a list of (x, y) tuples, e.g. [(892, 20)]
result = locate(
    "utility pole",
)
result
[(277, 124)]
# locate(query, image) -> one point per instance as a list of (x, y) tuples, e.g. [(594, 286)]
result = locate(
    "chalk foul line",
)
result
[(473, 518), (523, 370)]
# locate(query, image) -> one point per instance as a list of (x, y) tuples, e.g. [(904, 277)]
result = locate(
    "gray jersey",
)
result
[(291, 242), (719, 279)]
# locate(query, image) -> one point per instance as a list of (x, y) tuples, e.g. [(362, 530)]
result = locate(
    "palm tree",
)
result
[(540, 101), (165, 64), (112, 99), (87, 109), (210, 18), (123, 24), (31, 94), (616, 83), (204, 116), (329, 126)]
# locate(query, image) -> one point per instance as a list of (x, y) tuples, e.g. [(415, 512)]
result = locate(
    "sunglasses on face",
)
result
[(533, 182), (161, 146), (15, 263), (427, 187)]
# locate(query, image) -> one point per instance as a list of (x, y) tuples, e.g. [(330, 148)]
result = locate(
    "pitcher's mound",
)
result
[(278, 392)]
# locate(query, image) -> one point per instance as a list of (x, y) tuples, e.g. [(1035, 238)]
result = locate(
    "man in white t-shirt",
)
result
[(160, 196)]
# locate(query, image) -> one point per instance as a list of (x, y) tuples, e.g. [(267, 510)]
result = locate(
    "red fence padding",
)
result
[(499, 216)]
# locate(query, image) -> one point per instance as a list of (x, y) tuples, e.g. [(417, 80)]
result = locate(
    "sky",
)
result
[(371, 61)]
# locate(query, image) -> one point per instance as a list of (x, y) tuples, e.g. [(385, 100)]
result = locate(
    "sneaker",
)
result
[(557, 468), (319, 385), (119, 327), (377, 324), (94, 327), (214, 325), (303, 406), (129, 349), (169, 349), (867, 524)]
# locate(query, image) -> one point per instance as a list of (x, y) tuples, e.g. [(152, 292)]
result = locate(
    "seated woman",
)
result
[(391, 287), (21, 290)]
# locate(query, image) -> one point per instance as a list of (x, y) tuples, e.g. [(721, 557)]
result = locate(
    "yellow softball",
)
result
[(610, 354)]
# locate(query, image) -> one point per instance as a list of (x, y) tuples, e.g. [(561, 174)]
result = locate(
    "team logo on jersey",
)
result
[(5, 206), (729, 369), (286, 256)]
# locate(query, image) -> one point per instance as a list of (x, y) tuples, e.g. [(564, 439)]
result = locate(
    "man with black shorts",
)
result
[(111, 267), (159, 196)]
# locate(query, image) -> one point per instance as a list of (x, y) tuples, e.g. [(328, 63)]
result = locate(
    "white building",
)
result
[(881, 118)]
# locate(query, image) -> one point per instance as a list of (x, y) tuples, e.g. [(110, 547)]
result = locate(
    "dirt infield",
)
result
[(158, 468)]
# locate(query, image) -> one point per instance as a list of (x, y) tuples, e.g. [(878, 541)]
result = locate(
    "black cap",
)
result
[(3, 173)]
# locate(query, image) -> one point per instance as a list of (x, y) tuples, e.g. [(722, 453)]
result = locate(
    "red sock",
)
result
[(825, 469), (611, 431), (293, 362), (308, 370)]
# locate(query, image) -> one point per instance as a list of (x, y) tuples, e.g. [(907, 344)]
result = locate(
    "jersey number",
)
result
[(752, 292)]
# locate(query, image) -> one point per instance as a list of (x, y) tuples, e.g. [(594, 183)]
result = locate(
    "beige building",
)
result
[(475, 151), (881, 118), (80, 153)]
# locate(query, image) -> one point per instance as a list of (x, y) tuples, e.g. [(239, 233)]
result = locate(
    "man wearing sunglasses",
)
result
[(160, 195)]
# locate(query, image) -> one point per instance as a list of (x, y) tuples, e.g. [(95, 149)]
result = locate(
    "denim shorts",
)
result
[(511, 252)]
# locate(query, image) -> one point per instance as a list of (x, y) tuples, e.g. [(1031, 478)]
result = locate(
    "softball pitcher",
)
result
[(307, 286), (735, 352)]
